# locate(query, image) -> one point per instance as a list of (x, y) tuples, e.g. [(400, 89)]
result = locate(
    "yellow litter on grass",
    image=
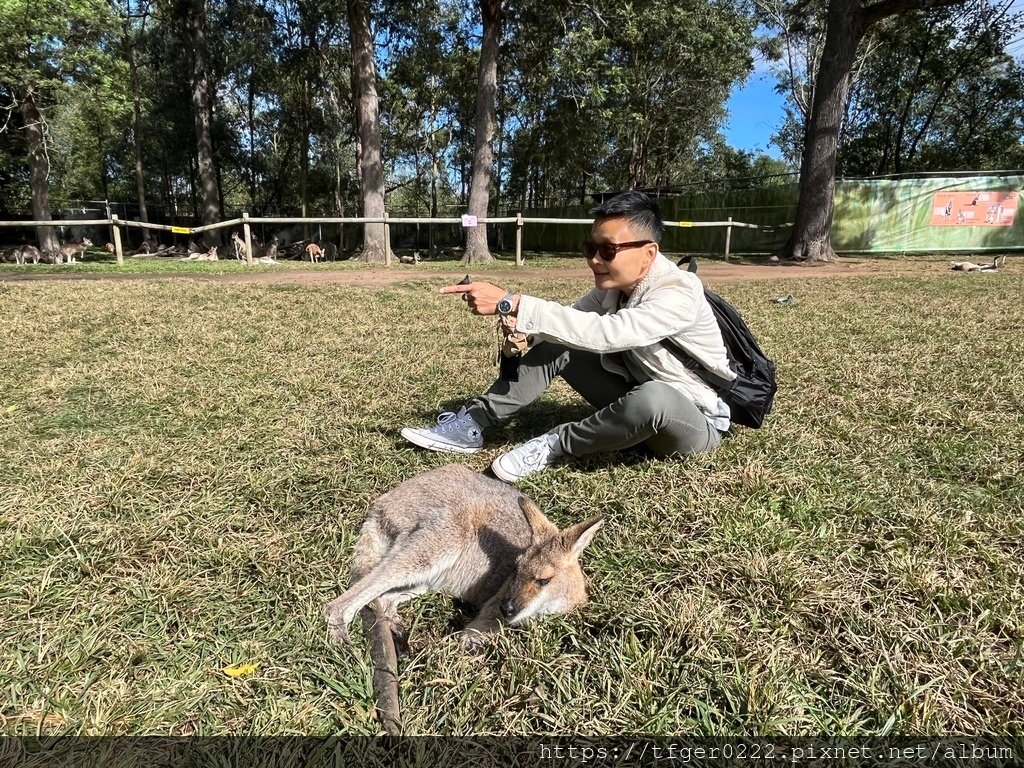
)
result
[(240, 670)]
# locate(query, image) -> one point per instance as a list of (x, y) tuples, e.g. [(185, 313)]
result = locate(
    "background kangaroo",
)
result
[(453, 530), (26, 252), (315, 252), (70, 250), (210, 255)]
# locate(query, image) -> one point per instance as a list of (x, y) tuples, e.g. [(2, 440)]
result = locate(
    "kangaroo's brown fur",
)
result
[(26, 252), (478, 539), (70, 250), (315, 252), (210, 255), (453, 530)]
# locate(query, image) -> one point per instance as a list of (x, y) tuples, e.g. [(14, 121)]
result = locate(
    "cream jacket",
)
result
[(668, 302)]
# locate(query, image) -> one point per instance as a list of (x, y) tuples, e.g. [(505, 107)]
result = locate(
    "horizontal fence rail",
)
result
[(246, 222)]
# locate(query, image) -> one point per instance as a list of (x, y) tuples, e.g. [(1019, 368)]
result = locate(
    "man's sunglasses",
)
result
[(608, 251)]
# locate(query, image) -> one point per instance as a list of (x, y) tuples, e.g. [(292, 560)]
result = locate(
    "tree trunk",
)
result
[(847, 22), (140, 177), (810, 238), (483, 158), (338, 205), (38, 168), (251, 117), (304, 149), (371, 171), (203, 118)]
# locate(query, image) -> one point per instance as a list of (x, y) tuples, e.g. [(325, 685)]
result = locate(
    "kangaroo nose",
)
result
[(508, 609)]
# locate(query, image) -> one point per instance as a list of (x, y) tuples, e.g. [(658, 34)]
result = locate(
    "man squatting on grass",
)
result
[(608, 348)]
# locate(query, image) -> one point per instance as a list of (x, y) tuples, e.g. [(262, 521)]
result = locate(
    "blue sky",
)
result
[(755, 112)]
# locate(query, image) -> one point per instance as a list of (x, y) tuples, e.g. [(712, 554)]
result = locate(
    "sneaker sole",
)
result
[(502, 474), (434, 445)]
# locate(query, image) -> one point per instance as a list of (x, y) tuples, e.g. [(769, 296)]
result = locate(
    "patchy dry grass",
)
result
[(185, 466)]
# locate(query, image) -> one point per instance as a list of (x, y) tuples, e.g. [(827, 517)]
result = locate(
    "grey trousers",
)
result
[(627, 413)]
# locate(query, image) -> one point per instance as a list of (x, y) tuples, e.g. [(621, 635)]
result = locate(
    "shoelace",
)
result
[(534, 451), (448, 420)]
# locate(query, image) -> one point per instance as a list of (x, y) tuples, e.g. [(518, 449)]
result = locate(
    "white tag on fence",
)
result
[(468, 221)]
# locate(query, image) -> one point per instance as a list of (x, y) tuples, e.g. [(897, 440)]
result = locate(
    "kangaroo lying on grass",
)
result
[(210, 255), (968, 266), (453, 530)]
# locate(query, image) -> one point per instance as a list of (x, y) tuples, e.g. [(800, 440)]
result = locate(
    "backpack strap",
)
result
[(710, 378), (689, 261)]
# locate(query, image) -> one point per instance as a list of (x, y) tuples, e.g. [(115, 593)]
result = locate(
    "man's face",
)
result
[(630, 265)]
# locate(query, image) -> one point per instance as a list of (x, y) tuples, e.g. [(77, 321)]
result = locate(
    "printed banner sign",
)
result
[(991, 208), (468, 221)]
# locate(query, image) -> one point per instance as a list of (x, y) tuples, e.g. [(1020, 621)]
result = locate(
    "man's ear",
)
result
[(651, 253)]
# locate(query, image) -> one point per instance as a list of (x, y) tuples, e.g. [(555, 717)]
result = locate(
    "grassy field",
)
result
[(185, 465)]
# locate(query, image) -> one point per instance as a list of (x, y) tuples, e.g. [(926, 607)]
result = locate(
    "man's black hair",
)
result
[(642, 211)]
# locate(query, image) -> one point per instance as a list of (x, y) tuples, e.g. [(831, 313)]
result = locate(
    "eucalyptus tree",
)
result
[(427, 104), (555, 136), (313, 81), (337, 132), (169, 137), (483, 129), (252, 37), (369, 165), (940, 92), (623, 95), (46, 48), (846, 24), (204, 90), (13, 172), (793, 47), (186, 57), (86, 137), (134, 17)]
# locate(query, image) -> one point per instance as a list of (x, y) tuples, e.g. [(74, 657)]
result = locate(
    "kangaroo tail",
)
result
[(385, 668)]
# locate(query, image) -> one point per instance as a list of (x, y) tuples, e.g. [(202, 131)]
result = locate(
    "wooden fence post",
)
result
[(247, 231), (519, 239), (387, 241), (728, 238), (116, 229)]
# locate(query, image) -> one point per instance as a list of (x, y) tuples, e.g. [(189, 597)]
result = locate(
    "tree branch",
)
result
[(885, 8)]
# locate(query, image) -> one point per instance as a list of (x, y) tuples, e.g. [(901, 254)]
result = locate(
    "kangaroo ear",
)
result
[(540, 526), (578, 536)]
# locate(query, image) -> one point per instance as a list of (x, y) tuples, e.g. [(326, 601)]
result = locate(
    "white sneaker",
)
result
[(532, 456), (455, 433)]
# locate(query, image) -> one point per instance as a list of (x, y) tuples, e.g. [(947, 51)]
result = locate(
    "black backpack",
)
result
[(749, 395)]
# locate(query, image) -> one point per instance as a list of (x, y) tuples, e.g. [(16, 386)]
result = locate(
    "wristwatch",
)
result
[(505, 305)]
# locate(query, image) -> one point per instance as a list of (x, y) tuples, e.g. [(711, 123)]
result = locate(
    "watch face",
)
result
[(504, 306)]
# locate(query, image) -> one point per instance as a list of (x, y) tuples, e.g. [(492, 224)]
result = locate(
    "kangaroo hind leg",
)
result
[(399, 570)]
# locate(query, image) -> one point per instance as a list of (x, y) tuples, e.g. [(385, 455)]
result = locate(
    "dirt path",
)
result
[(717, 271)]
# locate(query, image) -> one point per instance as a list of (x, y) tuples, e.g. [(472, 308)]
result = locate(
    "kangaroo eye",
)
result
[(543, 582)]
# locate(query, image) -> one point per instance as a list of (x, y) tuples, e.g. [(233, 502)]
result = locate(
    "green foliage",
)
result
[(931, 90), (427, 86), (593, 95), (623, 95), (938, 92), (58, 54)]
